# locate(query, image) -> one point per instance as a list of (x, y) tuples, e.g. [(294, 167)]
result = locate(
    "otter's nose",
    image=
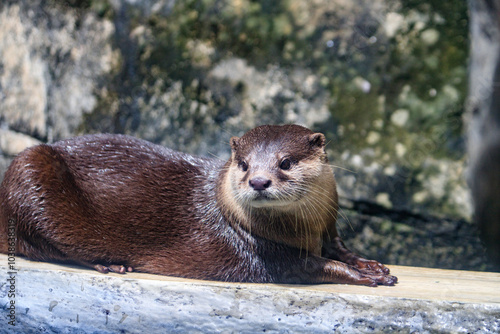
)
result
[(259, 183)]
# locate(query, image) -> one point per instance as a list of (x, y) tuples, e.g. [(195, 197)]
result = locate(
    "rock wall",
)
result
[(383, 79), (53, 62), (484, 121)]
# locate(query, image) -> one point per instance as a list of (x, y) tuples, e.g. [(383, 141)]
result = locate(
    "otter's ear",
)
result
[(234, 141), (317, 140)]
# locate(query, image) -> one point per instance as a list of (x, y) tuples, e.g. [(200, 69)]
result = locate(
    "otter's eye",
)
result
[(285, 164), (243, 166)]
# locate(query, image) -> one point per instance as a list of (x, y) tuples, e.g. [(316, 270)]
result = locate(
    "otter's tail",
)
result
[(4, 223)]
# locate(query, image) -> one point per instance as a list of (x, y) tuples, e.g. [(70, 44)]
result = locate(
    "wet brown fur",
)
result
[(112, 200)]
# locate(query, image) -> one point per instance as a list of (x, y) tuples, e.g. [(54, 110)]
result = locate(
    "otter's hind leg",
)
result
[(32, 184), (50, 212), (114, 268), (7, 231)]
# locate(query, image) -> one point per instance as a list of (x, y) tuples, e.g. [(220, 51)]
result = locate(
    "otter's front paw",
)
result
[(370, 266), (339, 272), (379, 279)]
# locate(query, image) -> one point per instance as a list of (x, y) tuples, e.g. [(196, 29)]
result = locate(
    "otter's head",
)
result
[(280, 168)]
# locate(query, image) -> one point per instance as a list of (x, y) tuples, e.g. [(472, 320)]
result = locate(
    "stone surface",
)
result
[(64, 299)]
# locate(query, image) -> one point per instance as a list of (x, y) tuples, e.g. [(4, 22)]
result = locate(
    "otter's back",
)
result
[(98, 188)]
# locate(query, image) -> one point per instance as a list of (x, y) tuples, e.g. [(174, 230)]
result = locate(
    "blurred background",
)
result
[(385, 80)]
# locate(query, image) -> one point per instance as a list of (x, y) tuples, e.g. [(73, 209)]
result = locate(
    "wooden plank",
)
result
[(63, 298), (414, 283), (434, 284)]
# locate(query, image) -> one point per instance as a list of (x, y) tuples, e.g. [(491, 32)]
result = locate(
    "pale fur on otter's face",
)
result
[(281, 171), (270, 176)]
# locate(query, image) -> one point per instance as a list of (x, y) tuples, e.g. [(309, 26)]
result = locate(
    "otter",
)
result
[(117, 203)]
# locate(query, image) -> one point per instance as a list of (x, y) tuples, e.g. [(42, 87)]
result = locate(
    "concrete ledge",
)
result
[(68, 299)]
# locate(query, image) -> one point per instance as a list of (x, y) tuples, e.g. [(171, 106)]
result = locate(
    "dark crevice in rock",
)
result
[(404, 237)]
